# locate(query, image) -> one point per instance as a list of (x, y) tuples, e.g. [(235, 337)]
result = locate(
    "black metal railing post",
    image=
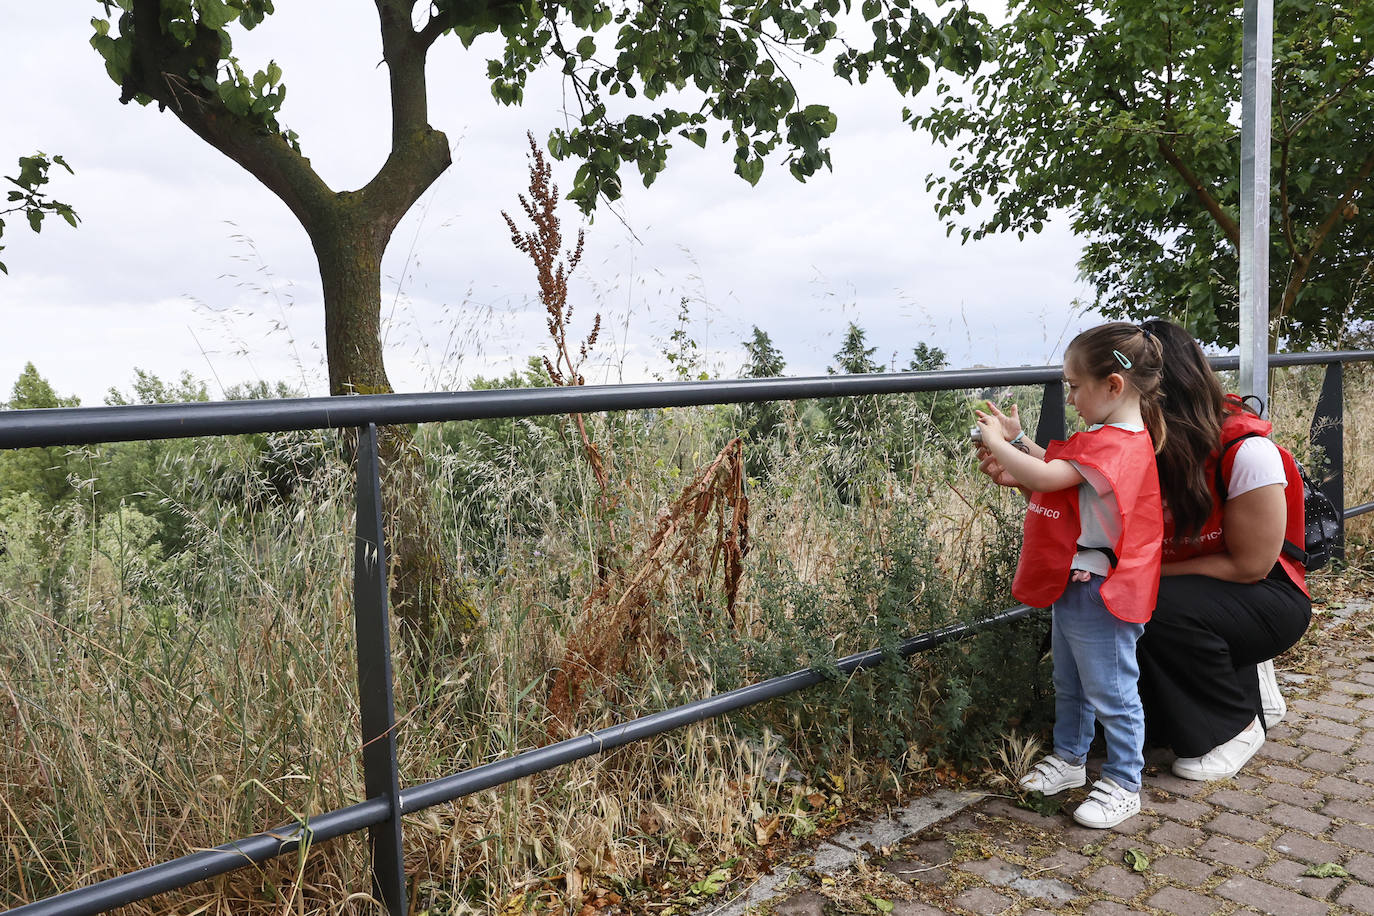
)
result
[(376, 702), (1327, 433), (1053, 424)]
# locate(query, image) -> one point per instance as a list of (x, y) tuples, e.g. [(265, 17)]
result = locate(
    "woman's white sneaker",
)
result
[(1224, 760), (1053, 775), (1108, 805), (1270, 696)]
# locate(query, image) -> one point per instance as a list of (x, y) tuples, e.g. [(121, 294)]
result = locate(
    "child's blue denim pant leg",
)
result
[(1096, 679)]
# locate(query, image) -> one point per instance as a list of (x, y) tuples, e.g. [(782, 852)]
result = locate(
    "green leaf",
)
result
[(586, 46), (1327, 870), (32, 171), (879, 904), (216, 14), (1039, 802), (713, 883), (1137, 859), (751, 170)]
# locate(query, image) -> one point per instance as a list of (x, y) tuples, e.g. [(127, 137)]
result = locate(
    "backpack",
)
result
[(1321, 521)]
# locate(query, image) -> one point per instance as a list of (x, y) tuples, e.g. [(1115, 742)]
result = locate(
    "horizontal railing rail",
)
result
[(90, 425), (386, 802)]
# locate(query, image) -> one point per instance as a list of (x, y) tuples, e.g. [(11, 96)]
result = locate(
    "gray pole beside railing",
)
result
[(1257, 55)]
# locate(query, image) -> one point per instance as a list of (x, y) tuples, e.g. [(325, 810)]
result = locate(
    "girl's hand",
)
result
[(993, 468), (991, 428), (1011, 420)]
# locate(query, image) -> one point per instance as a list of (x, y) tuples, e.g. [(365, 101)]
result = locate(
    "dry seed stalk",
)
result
[(616, 616), (542, 245)]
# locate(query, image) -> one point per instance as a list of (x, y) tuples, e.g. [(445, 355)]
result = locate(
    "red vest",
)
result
[(1238, 423), (1127, 460)]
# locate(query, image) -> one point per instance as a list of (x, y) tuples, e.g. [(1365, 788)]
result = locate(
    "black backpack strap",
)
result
[(1226, 447)]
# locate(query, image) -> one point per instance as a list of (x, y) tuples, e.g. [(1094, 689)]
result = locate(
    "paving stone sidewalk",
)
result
[(1264, 841)]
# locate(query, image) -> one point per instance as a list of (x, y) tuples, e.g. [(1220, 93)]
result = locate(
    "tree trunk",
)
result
[(349, 232), (425, 584)]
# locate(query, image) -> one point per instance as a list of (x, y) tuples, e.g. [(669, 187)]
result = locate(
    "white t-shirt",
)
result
[(1258, 464), (1099, 515)]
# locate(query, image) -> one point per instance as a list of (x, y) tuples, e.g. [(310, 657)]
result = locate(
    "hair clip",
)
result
[(1125, 363)]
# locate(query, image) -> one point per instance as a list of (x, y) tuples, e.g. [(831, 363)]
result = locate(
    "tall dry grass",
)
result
[(161, 704)]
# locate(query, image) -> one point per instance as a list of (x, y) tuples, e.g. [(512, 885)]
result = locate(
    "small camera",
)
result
[(975, 434)]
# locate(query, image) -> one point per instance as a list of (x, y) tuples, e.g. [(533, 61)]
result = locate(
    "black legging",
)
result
[(1198, 655)]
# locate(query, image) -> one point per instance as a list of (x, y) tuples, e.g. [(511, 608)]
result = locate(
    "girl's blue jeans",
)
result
[(1096, 680)]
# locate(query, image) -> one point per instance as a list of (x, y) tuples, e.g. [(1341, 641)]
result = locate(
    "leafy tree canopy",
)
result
[(31, 391), (853, 357), (1125, 114), (639, 74), (765, 360), (41, 472), (729, 56)]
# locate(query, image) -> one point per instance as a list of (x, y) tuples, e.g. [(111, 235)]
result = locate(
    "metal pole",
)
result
[(1052, 423), (1256, 90), (375, 697)]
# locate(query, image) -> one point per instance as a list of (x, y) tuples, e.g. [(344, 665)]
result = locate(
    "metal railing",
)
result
[(386, 801)]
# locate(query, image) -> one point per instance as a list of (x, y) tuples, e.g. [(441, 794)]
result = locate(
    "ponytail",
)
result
[(1153, 414)]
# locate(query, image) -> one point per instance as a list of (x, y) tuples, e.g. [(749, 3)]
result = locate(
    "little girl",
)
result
[(1092, 549)]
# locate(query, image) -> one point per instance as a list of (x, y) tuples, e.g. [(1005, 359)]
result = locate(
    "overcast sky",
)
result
[(184, 262)]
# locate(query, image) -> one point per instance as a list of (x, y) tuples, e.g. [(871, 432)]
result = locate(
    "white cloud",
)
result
[(183, 261)]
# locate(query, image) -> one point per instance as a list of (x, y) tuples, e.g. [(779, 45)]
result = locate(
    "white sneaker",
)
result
[(1224, 760), (1053, 775), (1108, 805), (1274, 706)]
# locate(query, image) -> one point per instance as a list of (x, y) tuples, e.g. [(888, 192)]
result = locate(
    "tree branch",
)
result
[(1330, 99), (267, 157), (1304, 261), (1200, 191), (1285, 151), (435, 27), (419, 153)]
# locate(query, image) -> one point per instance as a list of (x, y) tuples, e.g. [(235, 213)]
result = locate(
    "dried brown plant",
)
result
[(543, 245), (703, 532)]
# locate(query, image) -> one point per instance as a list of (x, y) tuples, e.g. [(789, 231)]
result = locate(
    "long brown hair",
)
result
[(1194, 406), (1126, 349)]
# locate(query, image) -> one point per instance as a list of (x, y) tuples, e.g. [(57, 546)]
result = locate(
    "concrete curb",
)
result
[(839, 851)]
